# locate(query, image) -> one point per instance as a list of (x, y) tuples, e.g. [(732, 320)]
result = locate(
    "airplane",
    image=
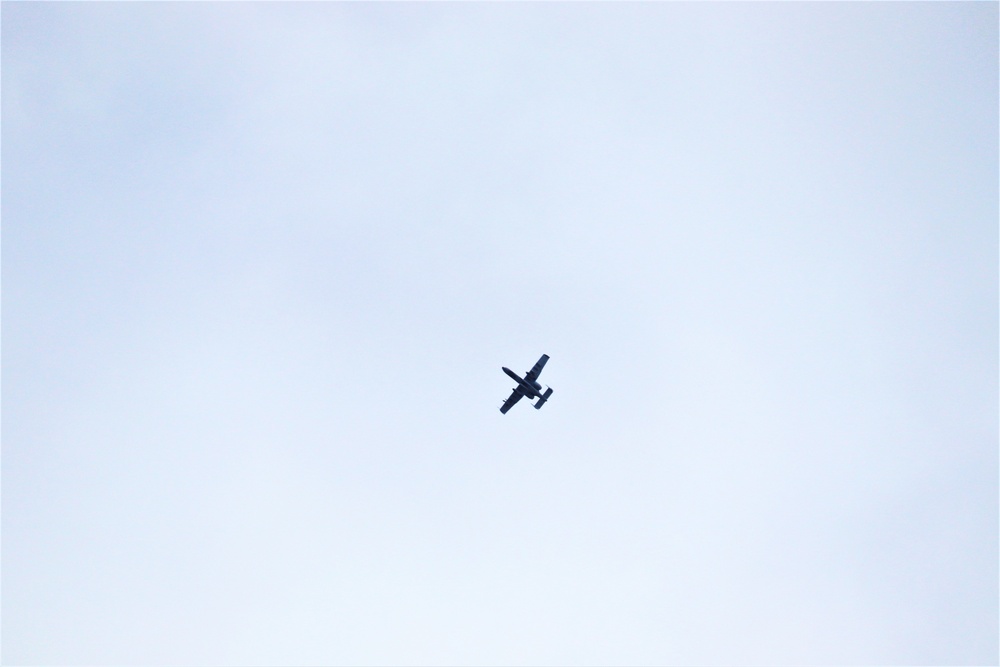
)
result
[(527, 386)]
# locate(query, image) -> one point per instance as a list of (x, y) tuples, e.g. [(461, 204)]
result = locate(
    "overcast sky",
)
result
[(262, 265)]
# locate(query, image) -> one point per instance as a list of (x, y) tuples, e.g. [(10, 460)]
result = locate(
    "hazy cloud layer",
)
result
[(262, 264)]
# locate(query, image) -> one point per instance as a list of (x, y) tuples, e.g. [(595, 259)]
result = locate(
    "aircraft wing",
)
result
[(536, 370), (509, 403)]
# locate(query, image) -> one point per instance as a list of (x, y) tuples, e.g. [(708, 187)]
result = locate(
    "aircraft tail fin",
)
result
[(541, 401)]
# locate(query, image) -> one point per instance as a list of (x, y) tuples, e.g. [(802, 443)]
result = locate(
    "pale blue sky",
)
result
[(262, 265)]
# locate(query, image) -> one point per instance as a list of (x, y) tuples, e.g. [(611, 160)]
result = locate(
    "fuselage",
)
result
[(529, 389)]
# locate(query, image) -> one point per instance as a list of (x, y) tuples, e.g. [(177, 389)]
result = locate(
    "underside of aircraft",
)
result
[(527, 386)]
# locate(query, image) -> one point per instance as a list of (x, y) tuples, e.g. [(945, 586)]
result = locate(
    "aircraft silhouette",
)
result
[(527, 386)]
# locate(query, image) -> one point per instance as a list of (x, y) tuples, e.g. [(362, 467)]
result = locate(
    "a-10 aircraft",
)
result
[(527, 386)]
